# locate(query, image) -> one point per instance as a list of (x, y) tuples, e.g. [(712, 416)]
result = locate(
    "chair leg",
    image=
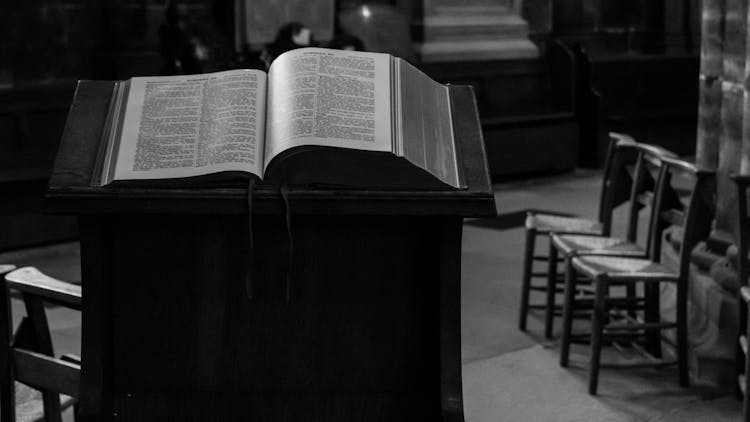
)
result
[(549, 315), (38, 318), (7, 402), (631, 294), (569, 297), (598, 315), (682, 338), (7, 384), (652, 313), (51, 404), (528, 259)]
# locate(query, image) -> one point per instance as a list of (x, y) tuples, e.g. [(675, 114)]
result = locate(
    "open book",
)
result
[(319, 117)]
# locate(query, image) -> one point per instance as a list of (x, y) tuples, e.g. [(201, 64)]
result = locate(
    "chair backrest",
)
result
[(696, 217), (645, 185), (616, 181)]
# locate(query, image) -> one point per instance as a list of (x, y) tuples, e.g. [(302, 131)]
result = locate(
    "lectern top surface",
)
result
[(71, 192)]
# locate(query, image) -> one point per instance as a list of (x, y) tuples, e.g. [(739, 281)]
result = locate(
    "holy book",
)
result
[(318, 117)]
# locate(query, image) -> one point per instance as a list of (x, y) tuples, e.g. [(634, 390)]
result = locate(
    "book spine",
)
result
[(732, 104), (102, 166)]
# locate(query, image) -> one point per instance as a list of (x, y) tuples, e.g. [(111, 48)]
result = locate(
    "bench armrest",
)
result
[(32, 281)]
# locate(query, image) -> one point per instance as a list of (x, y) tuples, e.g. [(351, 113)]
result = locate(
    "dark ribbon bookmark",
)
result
[(250, 263), (284, 191)]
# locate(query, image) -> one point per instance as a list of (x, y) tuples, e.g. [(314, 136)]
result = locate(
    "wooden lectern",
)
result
[(365, 328)]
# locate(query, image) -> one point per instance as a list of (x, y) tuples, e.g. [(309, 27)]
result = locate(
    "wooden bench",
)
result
[(526, 109), (652, 97)]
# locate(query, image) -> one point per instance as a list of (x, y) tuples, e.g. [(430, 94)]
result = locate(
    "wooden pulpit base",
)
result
[(357, 318)]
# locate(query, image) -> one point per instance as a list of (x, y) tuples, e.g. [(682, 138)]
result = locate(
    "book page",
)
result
[(328, 97), (182, 126)]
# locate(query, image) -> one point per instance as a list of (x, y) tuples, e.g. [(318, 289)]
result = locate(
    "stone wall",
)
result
[(65, 40), (474, 30), (45, 46), (629, 18), (45, 40)]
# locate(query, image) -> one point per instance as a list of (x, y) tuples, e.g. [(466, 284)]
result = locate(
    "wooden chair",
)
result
[(615, 190), (563, 246), (607, 271), (27, 356), (743, 266)]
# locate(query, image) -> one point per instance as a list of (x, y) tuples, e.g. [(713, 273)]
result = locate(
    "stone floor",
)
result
[(508, 375), (514, 376)]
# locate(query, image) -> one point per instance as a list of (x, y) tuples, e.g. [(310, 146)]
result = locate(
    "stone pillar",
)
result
[(466, 30), (709, 107), (731, 113), (745, 149)]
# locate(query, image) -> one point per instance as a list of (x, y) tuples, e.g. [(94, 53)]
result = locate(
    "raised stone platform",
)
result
[(447, 51), (468, 32), (500, 23)]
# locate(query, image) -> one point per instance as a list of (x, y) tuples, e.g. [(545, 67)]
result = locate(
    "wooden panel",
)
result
[(96, 343), (44, 372), (230, 406), (361, 314), (503, 87), (371, 328), (544, 144)]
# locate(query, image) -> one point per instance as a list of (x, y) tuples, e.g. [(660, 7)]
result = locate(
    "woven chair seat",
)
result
[(617, 185), (623, 268), (595, 245), (554, 223), (642, 310), (29, 406)]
